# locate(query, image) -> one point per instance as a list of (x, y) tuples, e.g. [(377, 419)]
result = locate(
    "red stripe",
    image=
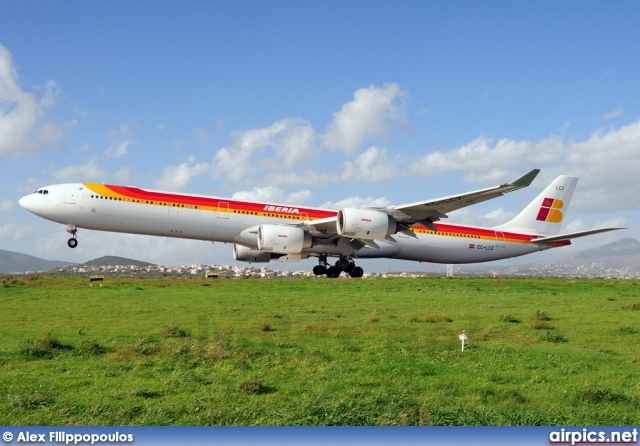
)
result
[(141, 194), (239, 206)]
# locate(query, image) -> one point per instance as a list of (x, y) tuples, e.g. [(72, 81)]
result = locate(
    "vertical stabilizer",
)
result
[(545, 214)]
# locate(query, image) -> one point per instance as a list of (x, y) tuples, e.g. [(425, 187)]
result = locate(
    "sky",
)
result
[(318, 103)]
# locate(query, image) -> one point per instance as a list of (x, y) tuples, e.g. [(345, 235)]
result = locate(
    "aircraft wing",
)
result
[(557, 238), (426, 212), (439, 207)]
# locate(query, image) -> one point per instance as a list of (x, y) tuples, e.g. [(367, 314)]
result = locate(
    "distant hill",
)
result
[(17, 263), (115, 261), (618, 259), (624, 253)]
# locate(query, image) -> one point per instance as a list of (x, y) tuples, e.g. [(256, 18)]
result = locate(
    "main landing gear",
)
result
[(73, 241), (343, 264)]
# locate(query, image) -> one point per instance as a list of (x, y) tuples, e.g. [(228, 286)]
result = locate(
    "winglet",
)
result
[(526, 179)]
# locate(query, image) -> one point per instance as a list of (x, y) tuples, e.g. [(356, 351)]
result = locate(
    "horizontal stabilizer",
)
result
[(557, 238)]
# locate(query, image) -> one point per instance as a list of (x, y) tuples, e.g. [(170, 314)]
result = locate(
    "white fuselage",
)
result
[(195, 217)]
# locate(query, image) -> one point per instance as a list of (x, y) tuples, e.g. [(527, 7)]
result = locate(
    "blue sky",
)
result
[(320, 104)]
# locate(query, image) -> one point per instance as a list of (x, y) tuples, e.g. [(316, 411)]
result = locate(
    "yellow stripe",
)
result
[(103, 190)]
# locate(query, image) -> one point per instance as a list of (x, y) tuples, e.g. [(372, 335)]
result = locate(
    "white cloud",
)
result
[(89, 173), (271, 194), (613, 114), (176, 178), (284, 145), (122, 138), (619, 222), (267, 194), (123, 130), (486, 163), (299, 197), (372, 112), (7, 205), (12, 231), (293, 179), (496, 217), (24, 128), (280, 149), (575, 225), (28, 186), (373, 166), (607, 164), (50, 132), (293, 142), (474, 216), (118, 150), (121, 176), (356, 202)]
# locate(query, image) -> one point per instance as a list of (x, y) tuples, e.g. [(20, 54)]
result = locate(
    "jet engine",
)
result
[(365, 224), (283, 239), (251, 255)]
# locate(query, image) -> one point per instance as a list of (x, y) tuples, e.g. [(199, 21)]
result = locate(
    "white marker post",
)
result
[(463, 337)]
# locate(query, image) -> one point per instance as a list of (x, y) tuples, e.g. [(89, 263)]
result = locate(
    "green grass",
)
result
[(172, 351)]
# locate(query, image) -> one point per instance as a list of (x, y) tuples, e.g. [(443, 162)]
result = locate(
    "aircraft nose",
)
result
[(23, 201), (27, 202)]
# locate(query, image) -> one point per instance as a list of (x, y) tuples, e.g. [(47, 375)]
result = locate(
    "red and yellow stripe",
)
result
[(137, 195)]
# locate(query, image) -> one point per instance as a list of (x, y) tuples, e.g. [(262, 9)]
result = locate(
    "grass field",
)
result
[(319, 352)]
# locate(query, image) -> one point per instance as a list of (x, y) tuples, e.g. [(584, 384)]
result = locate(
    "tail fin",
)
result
[(545, 214)]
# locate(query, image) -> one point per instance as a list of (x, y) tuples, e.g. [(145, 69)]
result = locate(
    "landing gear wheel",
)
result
[(352, 266), (73, 241), (357, 272), (319, 270), (342, 264), (333, 272)]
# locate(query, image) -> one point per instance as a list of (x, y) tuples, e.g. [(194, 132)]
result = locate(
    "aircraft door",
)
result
[(499, 239), (70, 196), (223, 210)]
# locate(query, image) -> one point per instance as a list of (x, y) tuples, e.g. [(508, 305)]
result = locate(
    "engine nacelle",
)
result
[(283, 239), (365, 224), (251, 255)]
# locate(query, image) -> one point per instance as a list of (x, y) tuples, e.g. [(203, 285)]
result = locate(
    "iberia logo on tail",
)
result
[(550, 210)]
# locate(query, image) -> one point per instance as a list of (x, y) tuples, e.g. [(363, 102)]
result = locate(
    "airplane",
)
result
[(261, 232)]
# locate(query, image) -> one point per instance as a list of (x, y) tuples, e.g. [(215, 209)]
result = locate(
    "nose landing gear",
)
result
[(73, 241)]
